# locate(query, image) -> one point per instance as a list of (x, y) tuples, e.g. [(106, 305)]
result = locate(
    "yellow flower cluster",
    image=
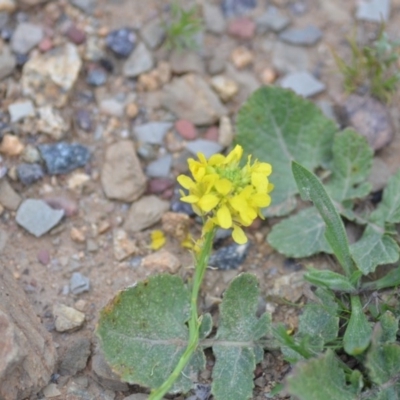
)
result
[(230, 195)]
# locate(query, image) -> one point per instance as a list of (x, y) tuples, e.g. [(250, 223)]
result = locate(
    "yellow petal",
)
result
[(259, 181), (185, 181), (237, 202), (261, 199), (157, 239), (238, 235), (208, 202), (190, 199), (224, 217), (216, 159), (202, 158), (223, 186), (262, 168), (235, 155), (270, 187)]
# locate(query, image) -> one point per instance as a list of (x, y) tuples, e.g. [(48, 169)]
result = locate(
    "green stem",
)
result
[(194, 322)]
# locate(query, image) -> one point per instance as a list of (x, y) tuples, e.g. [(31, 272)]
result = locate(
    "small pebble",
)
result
[(159, 185), (212, 134), (229, 257), (186, 129), (43, 256), (131, 110), (67, 318), (37, 217), (68, 205), (11, 145), (29, 173), (96, 77), (237, 7), (207, 147), (241, 57), (84, 120), (121, 42), (76, 35), (62, 157), (77, 235), (160, 168), (79, 283), (242, 28), (20, 110)]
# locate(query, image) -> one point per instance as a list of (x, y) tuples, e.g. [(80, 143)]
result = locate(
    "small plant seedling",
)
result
[(373, 67), (182, 28), (340, 321)]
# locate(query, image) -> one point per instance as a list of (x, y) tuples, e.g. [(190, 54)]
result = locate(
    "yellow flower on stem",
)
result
[(225, 193)]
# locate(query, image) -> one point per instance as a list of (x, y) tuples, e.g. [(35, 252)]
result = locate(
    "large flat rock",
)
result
[(27, 353)]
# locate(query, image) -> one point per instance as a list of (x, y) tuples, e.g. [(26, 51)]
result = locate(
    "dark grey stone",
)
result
[(75, 357), (29, 173), (237, 7), (229, 257), (61, 158), (121, 42)]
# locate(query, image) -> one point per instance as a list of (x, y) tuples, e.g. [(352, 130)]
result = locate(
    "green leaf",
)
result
[(205, 326), (318, 321), (312, 189), (383, 359), (277, 126), (293, 348), (320, 378), (390, 325), (330, 280), (352, 161), (373, 249), (388, 209), (392, 279), (237, 350), (358, 331), (143, 333), (300, 235)]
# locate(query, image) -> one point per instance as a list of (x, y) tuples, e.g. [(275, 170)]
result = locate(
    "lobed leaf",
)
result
[(312, 189), (320, 378), (351, 164), (374, 248), (277, 126), (383, 361), (237, 350), (300, 235), (143, 333), (388, 209)]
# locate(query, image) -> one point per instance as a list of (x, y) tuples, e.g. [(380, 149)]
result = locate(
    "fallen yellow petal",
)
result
[(157, 240)]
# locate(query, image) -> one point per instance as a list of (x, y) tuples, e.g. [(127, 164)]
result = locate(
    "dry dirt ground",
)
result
[(44, 284)]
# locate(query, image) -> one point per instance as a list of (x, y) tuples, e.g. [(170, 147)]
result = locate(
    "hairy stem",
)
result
[(194, 322)]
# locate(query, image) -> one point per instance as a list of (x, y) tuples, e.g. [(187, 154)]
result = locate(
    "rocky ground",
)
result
[(97, 119)]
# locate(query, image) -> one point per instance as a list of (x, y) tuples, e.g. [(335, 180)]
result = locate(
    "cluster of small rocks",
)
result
[(93, 115)]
